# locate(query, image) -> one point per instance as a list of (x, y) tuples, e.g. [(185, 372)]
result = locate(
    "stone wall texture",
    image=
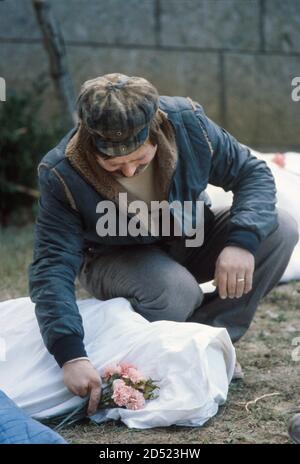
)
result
[(236, 57)]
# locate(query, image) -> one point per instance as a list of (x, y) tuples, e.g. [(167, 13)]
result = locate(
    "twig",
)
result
[(23, 189), (260, 398)]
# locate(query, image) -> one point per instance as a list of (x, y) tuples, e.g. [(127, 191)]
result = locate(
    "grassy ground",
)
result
[(266, 354)]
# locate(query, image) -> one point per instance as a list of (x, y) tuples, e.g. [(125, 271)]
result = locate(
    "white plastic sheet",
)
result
[(192, 363), (287, 182)]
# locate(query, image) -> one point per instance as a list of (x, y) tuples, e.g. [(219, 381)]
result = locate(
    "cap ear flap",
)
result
[(80, 100), (79, 111), (79, 105)]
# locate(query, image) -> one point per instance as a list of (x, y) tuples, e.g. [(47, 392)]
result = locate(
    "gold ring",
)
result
[(241, 280)]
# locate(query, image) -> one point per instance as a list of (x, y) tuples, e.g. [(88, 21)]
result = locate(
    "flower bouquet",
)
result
[(126, 387), (123, 386)]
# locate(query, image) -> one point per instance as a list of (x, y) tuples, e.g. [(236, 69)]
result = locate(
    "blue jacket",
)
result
[(17, 428), (66, 221)]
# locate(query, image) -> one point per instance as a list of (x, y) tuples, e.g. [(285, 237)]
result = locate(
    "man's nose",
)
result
[(128, 171)]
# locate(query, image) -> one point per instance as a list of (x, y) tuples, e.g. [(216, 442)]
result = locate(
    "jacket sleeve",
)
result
[(56, 261), (253, 214)]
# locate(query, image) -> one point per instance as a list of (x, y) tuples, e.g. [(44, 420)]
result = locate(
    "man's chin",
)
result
[(142, 170)]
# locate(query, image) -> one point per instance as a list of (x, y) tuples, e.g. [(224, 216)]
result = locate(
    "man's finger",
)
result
[(94, 399), (248, 281), (82, 390), (231, 284), (221, 278), (240, 285)]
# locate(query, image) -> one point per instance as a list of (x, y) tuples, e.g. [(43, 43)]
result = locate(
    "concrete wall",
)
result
[(236, 57)]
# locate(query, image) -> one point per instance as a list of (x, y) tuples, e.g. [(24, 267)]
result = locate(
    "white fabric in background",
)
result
[(287, 181), (193, 363)]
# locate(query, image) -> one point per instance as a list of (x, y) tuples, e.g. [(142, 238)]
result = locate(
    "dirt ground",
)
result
[(258, 408)]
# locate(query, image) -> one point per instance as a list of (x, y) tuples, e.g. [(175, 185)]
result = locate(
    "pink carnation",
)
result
[(134, 375), (120, 392), (111, 370), (125, 367), (124, 395), (136, 400), (279, 159)]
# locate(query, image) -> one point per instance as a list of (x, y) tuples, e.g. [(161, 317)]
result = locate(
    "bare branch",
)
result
[(54, 44)]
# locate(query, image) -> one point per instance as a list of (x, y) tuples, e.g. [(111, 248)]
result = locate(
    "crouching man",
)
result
[(131, 140)]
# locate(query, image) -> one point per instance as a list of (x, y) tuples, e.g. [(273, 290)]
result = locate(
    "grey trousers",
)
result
[(162, 281)]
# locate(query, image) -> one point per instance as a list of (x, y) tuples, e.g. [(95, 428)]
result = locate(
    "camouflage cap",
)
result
[(117, 111)]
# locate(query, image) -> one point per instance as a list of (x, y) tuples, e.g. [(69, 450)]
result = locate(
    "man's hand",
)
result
[(82, 379), (233, 265)]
